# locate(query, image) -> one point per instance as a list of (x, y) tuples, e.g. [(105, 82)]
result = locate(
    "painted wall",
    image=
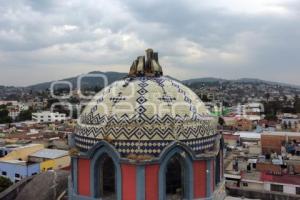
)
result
[(83, 174), (128, 182), (267, 186), (199, 179), (47, 165), (151, 182), (255, 149), (253, 185), (62, 162), (12, 169), (290, 189)]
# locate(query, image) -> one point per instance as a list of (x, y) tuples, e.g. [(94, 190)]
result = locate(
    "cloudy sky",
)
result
[(43, 40)]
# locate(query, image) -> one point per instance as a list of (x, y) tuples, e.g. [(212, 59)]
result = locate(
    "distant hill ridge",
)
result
[(241, 80), (113, 76), (89, 81)]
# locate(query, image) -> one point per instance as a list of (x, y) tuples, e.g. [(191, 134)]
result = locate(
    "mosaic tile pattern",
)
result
[(151, 147), (146, 112)]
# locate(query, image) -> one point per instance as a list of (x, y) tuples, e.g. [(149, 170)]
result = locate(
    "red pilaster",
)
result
[(83, 174), (128, 182), (199, 179), (151, 182)]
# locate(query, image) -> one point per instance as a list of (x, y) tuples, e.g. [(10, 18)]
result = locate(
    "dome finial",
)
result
[(146, 67)]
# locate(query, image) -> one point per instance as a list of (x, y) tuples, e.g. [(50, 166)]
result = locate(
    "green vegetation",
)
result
[(297, 104), (4, 118), (276, 106), (25, 115), (4, 183), (221, 121)]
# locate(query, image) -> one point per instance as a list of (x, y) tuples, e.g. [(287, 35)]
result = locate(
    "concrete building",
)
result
[(14, 108), (14, 165), (8, 102), (23, 106), (271, 183), (247, 136), (289, 121), (231, 140), (250, 111), (22, 161), (51, 159), (274, 141), (47, 116), (13, 113), (19, 152), (16, 170)]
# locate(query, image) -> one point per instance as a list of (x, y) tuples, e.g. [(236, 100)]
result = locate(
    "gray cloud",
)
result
[(48, 40)]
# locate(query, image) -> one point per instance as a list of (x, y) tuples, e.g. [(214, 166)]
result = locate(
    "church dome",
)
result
[(145, 112)]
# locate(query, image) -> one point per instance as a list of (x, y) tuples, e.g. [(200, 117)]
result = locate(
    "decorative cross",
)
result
[(167, 99), (117, 99)]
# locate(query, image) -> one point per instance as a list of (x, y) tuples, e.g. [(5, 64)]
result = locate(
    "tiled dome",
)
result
[(143, 114)]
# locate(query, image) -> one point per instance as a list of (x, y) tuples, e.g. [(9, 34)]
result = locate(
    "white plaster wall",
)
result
[(289, 189), (267, 186)]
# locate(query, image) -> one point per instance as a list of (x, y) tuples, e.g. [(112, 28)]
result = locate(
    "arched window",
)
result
[(107, 178), (105, 172), (175, 178), (176, 174)]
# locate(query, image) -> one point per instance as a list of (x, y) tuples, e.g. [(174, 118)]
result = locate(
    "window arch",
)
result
[(175, 178), (105, 159), (107, 178), (183, 162)]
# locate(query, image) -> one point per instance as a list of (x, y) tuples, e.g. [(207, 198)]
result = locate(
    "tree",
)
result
[(267, 95), (272, 108), (4, 118), (297, 104), (221, 121), (52, 101), (25, 115), (4, 183), (204, 98), (3, 107)]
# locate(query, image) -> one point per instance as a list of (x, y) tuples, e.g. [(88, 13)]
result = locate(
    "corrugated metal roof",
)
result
[(50, 153)]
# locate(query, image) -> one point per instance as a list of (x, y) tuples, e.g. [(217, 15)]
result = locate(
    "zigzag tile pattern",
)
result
[(151, 147), (147, 113)]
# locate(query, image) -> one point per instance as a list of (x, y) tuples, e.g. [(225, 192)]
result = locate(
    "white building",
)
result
[(14, 108), (23, 106), (289, 120), (14, 103), (287, 184), (13, 113), (47, 116), (250, 111)]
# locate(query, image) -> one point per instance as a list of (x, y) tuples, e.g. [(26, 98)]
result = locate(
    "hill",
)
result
[(241, 80), (89, 80)]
